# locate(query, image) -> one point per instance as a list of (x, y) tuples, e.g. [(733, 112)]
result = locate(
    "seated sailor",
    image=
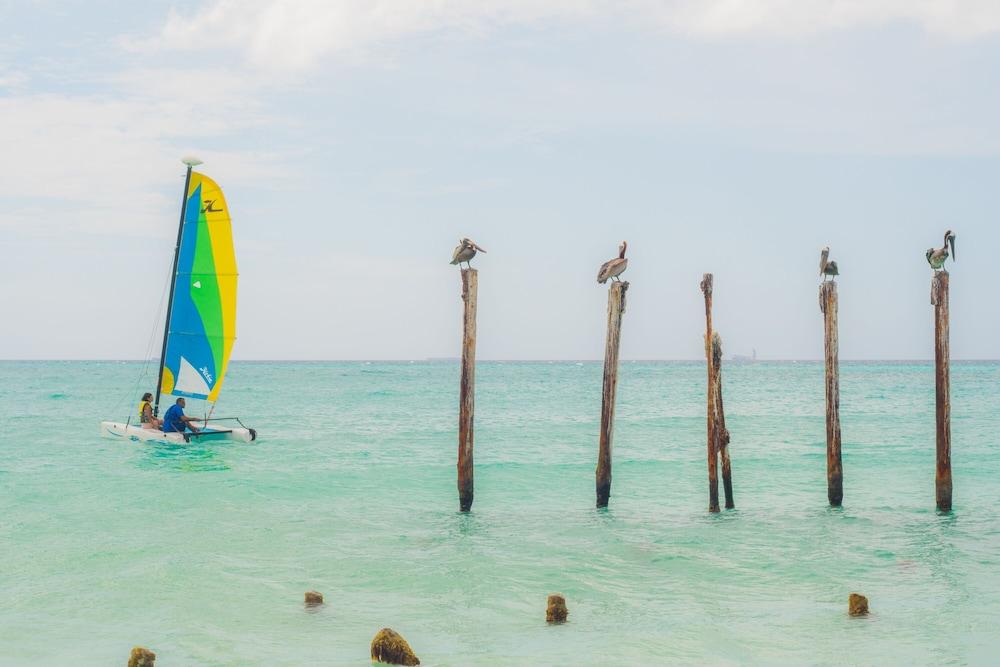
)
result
[(175, 421), (146, 418)]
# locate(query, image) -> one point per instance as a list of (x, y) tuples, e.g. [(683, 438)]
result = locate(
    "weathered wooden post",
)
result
[(719, 415), (467, 394), (713, 458), (942, 389), (831, 347), (616, 307)]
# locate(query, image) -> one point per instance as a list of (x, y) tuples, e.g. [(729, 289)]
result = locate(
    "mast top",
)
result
[(190, 161)]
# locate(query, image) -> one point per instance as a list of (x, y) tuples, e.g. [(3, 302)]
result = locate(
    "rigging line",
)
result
[(152, 336), (149, 348), (156, 321)]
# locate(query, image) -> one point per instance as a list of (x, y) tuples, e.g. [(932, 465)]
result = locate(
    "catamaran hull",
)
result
[(139, 434)]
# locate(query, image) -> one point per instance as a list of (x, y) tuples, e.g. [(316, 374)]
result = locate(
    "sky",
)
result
[(358, 140)]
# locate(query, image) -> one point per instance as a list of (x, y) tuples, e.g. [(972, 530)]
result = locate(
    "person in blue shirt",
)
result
[(175, 421)]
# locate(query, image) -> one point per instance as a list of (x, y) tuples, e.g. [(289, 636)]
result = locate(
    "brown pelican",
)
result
[(614, 267), (936, 257), (465, 251), (826, 267)]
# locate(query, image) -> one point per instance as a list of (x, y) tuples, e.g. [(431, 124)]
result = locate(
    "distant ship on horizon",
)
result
[(742, 358)]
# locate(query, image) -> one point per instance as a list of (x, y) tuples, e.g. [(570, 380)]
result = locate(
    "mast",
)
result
[(190, 162)]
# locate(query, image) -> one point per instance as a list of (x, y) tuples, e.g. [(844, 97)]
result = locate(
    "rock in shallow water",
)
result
[(141, 657), (857, 605), (314, 598), (556, 611), (390, 648)]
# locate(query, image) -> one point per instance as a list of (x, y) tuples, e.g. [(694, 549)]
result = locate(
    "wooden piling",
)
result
[(713, 457), (831, 347), (719, 415), (467, 392), (942, 389), (616, 307)]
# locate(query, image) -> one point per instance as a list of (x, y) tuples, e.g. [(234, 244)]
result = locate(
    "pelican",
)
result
[(465, 251), (936, 257), (826, 267), (614, 267)]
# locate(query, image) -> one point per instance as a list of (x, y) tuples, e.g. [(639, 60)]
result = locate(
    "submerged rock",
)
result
[(857, 605), (314, 598), (556, 611), (141, 657), (390, 648)]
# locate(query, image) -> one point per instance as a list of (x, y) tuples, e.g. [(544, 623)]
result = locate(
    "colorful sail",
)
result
[(202, 324)]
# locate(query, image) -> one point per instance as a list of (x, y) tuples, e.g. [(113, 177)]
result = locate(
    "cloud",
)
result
[(290, 34), (100, 160), (790, 18), (295, 34), (12, 80)]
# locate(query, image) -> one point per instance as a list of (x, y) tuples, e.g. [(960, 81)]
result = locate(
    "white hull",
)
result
[(138, 434)]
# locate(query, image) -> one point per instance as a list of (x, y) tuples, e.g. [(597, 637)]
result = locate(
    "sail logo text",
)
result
[(207, 374), (209, 203)]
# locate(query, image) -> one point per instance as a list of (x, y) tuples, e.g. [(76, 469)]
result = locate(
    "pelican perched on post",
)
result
[(826, 267), (465, 251), (614, 267), (936, 257)]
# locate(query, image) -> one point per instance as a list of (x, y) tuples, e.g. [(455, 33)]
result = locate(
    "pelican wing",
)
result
[(936, 257), (611, 268), (602, 273)]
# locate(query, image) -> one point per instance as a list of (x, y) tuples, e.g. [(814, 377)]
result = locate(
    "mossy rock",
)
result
[(857, 605), (555, 611), (390, 648), (141, 657)]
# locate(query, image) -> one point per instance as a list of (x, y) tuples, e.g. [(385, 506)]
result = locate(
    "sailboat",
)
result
[(200, 325)]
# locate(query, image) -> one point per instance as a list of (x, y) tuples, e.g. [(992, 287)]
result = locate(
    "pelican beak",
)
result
[(951, 242)]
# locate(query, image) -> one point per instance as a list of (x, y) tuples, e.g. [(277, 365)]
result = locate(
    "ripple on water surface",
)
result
[(202, 552)]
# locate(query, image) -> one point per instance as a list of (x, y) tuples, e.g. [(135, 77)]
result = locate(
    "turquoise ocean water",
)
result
[(202, 553)]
